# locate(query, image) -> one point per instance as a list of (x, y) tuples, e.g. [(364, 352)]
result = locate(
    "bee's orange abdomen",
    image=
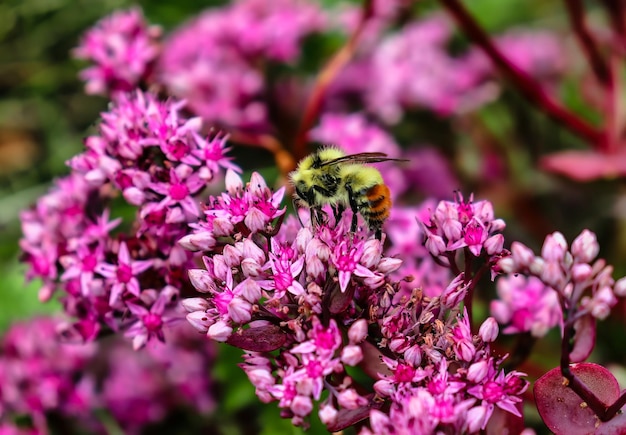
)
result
[(379, 201)]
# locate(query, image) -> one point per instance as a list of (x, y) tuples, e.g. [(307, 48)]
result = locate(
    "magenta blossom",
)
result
[(122, 47)]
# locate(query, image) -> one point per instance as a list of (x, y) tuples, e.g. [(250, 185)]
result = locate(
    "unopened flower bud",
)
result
[(455, 292), (257, 184), (494, 244), (476, 419), (372, 251), (328, 414), (350, 399), (452, 229), (249, 290), (552, 275), (195, 304), (522, 254), (465, 350), (398, 344), (261, 377), (497, 225), (554, 247), (231, 256), (219, 331), (507, 265), (488, 331), (200, 321), (251, 268), (620, 287), (581, 272), (413, 356), (303, 238), (202, 241), (536, 267), (301, 405), (384, 387), (602, 302), (358, 331), (435, 244), (239, 310), (222, 226), (585, 247), (351, 355), (252, 251), (388, 265), (201, 280), (134, 196), (255, 219), (478, 371), (233, 182)]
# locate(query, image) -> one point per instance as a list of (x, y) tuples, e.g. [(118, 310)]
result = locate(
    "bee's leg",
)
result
[(338, 212), (354, 208), (296, 208), (379, 234)]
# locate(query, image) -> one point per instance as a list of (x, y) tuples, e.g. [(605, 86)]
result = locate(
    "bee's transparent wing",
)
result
[(362, 158)]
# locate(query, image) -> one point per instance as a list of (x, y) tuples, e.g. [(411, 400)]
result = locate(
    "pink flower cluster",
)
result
[(413, 68), (216, 61), (421, 341), (128, 280), (123, 48), (308, 302), (584, 283), (35, 380), (525, 304), (463, 224), (42, 378)]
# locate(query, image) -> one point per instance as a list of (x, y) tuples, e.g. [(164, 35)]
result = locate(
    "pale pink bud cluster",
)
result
[(573, 272)]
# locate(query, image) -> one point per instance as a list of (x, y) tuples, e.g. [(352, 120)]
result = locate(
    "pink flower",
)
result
[(122, 47), (525, 305), (123, 275)]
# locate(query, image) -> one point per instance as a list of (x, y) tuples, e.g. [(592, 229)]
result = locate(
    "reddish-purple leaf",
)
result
[(585, 165), (348, 417), (562, 410), (260, 339), (503, 422), (615, 426), (372, 363), (584, 338), (340, 301)]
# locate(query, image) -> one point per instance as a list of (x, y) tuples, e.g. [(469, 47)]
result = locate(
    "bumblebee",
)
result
[(329, 176)]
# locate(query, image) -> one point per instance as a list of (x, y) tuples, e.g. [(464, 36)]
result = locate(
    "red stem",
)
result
[(575, 10), (617, 14), (526, 84), (324, 80)]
